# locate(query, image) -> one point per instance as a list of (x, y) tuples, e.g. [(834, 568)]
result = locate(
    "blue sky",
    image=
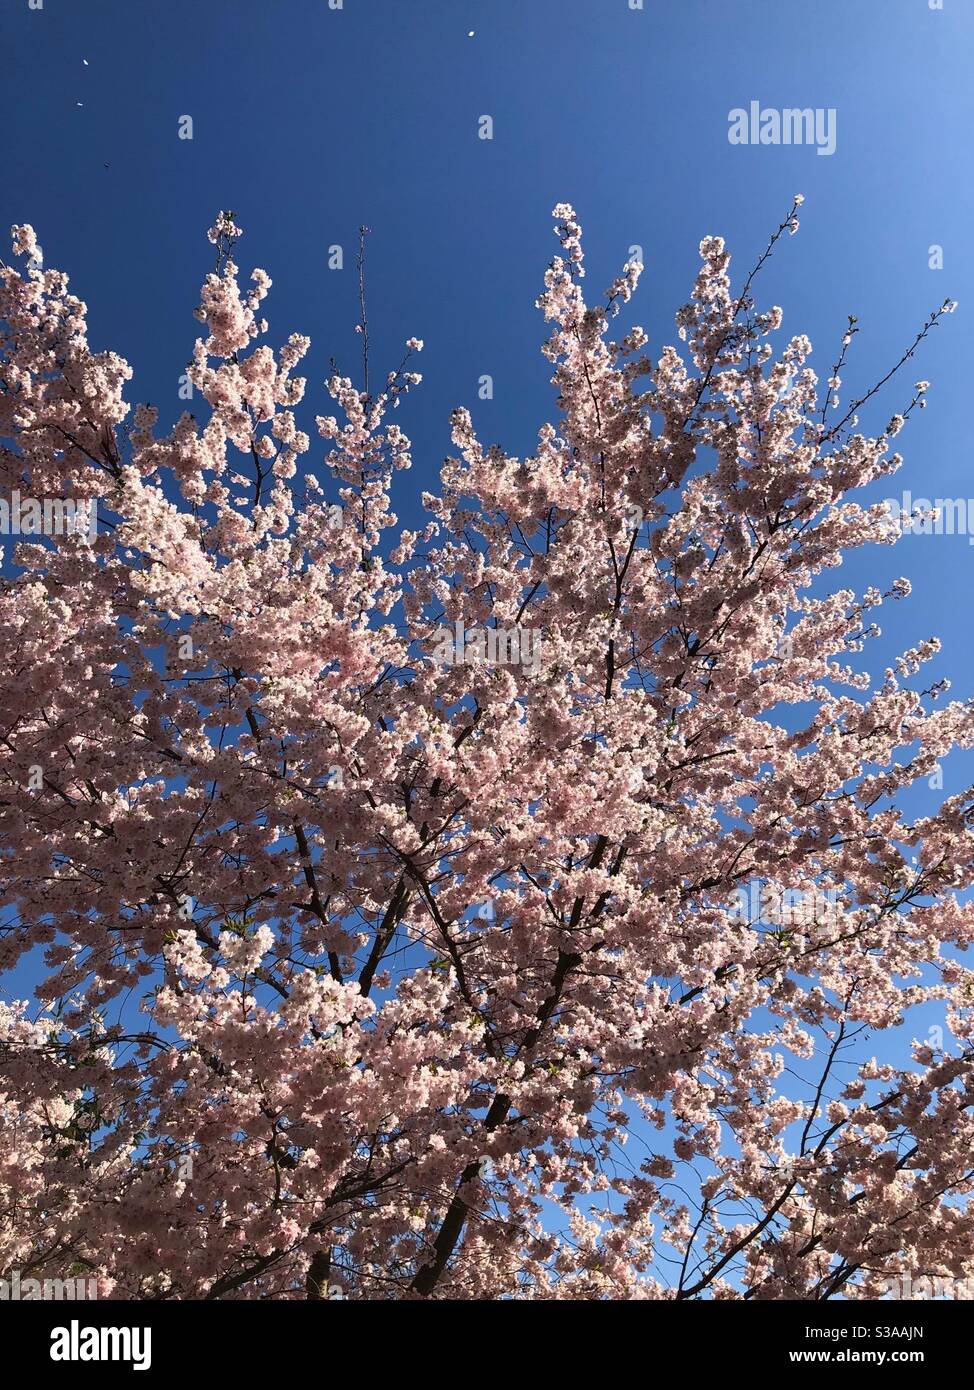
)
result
[(309, 121)]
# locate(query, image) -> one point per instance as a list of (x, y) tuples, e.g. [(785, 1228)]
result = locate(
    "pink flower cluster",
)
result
[(418, 947)]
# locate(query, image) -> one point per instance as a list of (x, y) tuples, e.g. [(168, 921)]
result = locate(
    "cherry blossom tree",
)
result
[(372, 972)]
